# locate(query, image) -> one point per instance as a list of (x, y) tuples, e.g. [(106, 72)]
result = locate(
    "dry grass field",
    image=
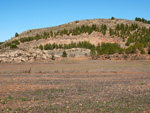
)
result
[(75, 86)]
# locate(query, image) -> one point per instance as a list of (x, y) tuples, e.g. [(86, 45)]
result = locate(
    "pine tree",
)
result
[(112, 18), (41, 47), (64, 54), (16, 34)]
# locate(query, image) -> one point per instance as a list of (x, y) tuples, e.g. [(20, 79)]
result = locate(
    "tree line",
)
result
[(104, 48), (142, 20), (76, 31)]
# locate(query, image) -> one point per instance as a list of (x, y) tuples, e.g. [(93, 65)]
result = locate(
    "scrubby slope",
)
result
[(129, 35)]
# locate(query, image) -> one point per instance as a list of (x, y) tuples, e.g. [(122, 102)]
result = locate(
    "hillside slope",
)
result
[(94, 38), (100, 36)]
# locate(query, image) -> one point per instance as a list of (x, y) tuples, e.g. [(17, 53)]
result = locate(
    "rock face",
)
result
[(36, 55)]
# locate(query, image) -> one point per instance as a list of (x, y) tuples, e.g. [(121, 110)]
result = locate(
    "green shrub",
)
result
[(93, 51), (131, 49), (13, 46), (142, 51), (15, 42), (127, 43), (76, 21), (64, 54), (41, 47)]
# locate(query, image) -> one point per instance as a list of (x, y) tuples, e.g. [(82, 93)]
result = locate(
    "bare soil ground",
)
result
[(75, 86)]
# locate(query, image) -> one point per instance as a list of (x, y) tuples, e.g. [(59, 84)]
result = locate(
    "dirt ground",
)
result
[(75, 86)]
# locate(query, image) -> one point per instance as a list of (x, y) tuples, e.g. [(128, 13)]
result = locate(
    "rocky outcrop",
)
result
[(36, 55)]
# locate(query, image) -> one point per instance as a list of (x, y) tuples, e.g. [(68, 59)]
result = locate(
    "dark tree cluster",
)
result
[(123, 30), (133, 34), (109, 48), (142, 20), (104, 48), (142, 35), (13, 46), (37, 37), (84, 44), (79, 30), (133, 48), (9, 44), (76, 31), (15, 42)]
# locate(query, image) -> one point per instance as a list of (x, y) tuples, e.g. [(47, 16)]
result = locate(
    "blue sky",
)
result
[(22, 15)]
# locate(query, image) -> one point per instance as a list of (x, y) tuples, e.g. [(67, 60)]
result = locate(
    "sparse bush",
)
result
[(15, 42), (13, 46), (93, 51), (64, 54), (131, 49), (53, 57), (76, 21), (142, 51), (127, 43), (41, 47)]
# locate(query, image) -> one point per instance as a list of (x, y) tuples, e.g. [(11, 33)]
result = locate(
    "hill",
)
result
[(100, 36)]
